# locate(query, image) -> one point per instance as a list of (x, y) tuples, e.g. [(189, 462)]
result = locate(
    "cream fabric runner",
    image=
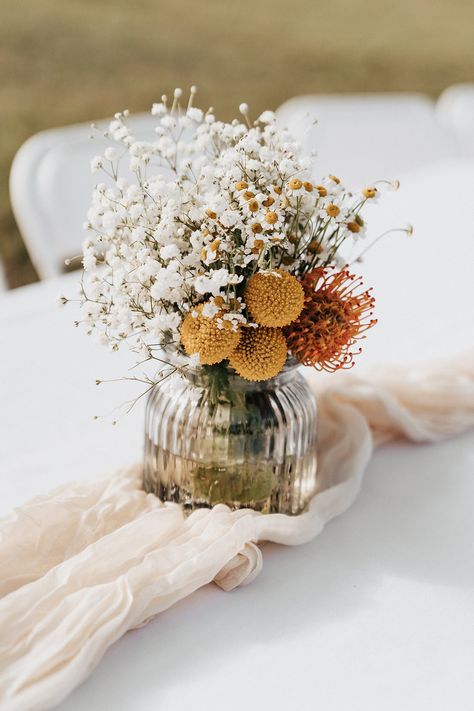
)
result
[(84, 564)]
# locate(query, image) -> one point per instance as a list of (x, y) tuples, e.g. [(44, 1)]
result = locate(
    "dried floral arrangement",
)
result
[(223, 247)]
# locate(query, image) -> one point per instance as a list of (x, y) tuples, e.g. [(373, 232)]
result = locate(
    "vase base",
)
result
[(266, 487)]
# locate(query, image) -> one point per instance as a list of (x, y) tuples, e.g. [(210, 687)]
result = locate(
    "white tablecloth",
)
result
[(383, 616)]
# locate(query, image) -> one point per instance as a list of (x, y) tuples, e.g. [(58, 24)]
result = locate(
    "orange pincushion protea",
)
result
[(333, 319)]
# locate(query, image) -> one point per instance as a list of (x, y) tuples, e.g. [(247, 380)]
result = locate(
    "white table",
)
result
[(377, 612)]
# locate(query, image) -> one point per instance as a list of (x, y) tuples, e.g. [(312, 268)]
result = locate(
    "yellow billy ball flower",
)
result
[(274, 298), (261, 353), (200, 334)]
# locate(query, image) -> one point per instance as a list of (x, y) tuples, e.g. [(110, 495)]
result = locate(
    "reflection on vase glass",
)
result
[(223, 439)]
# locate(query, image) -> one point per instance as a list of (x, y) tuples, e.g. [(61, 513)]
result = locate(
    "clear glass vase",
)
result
[(223, 439)]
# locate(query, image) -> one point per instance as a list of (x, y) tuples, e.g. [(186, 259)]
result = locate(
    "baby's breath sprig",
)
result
[(205, 207)]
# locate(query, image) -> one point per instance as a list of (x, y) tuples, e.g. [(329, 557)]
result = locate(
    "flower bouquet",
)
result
[(220, 260)]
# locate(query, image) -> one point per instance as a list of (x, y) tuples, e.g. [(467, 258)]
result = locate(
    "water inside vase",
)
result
[(265, 486), (252, 446)]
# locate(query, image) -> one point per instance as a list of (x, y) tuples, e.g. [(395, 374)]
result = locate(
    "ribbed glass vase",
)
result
[(223, 439)]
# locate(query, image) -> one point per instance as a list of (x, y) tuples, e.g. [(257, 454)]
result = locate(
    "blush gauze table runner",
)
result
[(84, 564)]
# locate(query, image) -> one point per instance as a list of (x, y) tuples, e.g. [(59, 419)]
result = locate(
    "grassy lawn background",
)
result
[(65, 61)]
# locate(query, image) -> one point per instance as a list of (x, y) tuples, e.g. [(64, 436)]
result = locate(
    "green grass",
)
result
[(64, 61)]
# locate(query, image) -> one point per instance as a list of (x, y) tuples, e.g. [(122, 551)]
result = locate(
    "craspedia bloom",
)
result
[(200, 334), (274, 298), (261, 353), (336, 315)]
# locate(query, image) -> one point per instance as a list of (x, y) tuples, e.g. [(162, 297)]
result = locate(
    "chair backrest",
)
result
[(455, 111), (50, 188), (364, 137)]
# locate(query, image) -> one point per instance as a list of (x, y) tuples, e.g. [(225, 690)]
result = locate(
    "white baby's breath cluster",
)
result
[(199, 209)]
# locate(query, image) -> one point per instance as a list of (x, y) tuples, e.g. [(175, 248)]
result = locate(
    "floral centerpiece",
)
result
[(224, 261)]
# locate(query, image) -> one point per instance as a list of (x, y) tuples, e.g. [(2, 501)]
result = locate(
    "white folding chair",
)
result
[(455, 111), (364, 137), (50, 189)]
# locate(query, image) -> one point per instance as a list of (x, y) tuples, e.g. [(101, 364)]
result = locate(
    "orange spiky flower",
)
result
[(333, 319)]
